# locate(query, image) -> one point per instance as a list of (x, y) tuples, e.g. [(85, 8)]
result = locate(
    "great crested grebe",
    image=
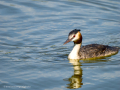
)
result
[(88, 51)]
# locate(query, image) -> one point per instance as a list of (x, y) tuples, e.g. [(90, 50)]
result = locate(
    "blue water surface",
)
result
[(32, 54)]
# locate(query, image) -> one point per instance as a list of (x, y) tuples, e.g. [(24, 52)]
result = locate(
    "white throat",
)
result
[(74, 54)]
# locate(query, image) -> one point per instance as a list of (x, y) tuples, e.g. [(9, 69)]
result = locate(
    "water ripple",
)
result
[(32, 33)]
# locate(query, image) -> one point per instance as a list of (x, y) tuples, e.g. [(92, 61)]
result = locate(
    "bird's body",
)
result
[(88, 51), (97, 50)]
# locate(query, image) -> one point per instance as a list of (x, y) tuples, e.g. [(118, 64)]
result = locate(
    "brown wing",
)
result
[(96, 50)]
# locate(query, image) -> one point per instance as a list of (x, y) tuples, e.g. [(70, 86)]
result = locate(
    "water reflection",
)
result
[(76, 79)]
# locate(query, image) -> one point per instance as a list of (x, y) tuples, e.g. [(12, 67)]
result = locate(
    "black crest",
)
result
[(74, 31)]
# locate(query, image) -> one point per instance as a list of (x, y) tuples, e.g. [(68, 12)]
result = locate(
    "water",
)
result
[(32, 54)]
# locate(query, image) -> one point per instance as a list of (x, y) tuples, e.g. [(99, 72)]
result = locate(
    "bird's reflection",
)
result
[(76, 79)]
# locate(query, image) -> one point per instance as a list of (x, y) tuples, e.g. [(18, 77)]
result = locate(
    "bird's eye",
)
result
[(74, 36)]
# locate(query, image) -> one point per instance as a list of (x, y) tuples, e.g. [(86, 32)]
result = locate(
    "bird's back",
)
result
[(97, 50)]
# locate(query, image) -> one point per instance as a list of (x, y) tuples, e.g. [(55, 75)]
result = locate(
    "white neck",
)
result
[(75, 52)]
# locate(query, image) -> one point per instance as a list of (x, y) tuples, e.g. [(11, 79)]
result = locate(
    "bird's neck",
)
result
[(75, 52)]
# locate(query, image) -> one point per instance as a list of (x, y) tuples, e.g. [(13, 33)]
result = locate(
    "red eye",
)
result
[(74, 36)]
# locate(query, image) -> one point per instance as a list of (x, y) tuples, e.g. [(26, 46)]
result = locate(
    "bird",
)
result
[(89, 51)]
